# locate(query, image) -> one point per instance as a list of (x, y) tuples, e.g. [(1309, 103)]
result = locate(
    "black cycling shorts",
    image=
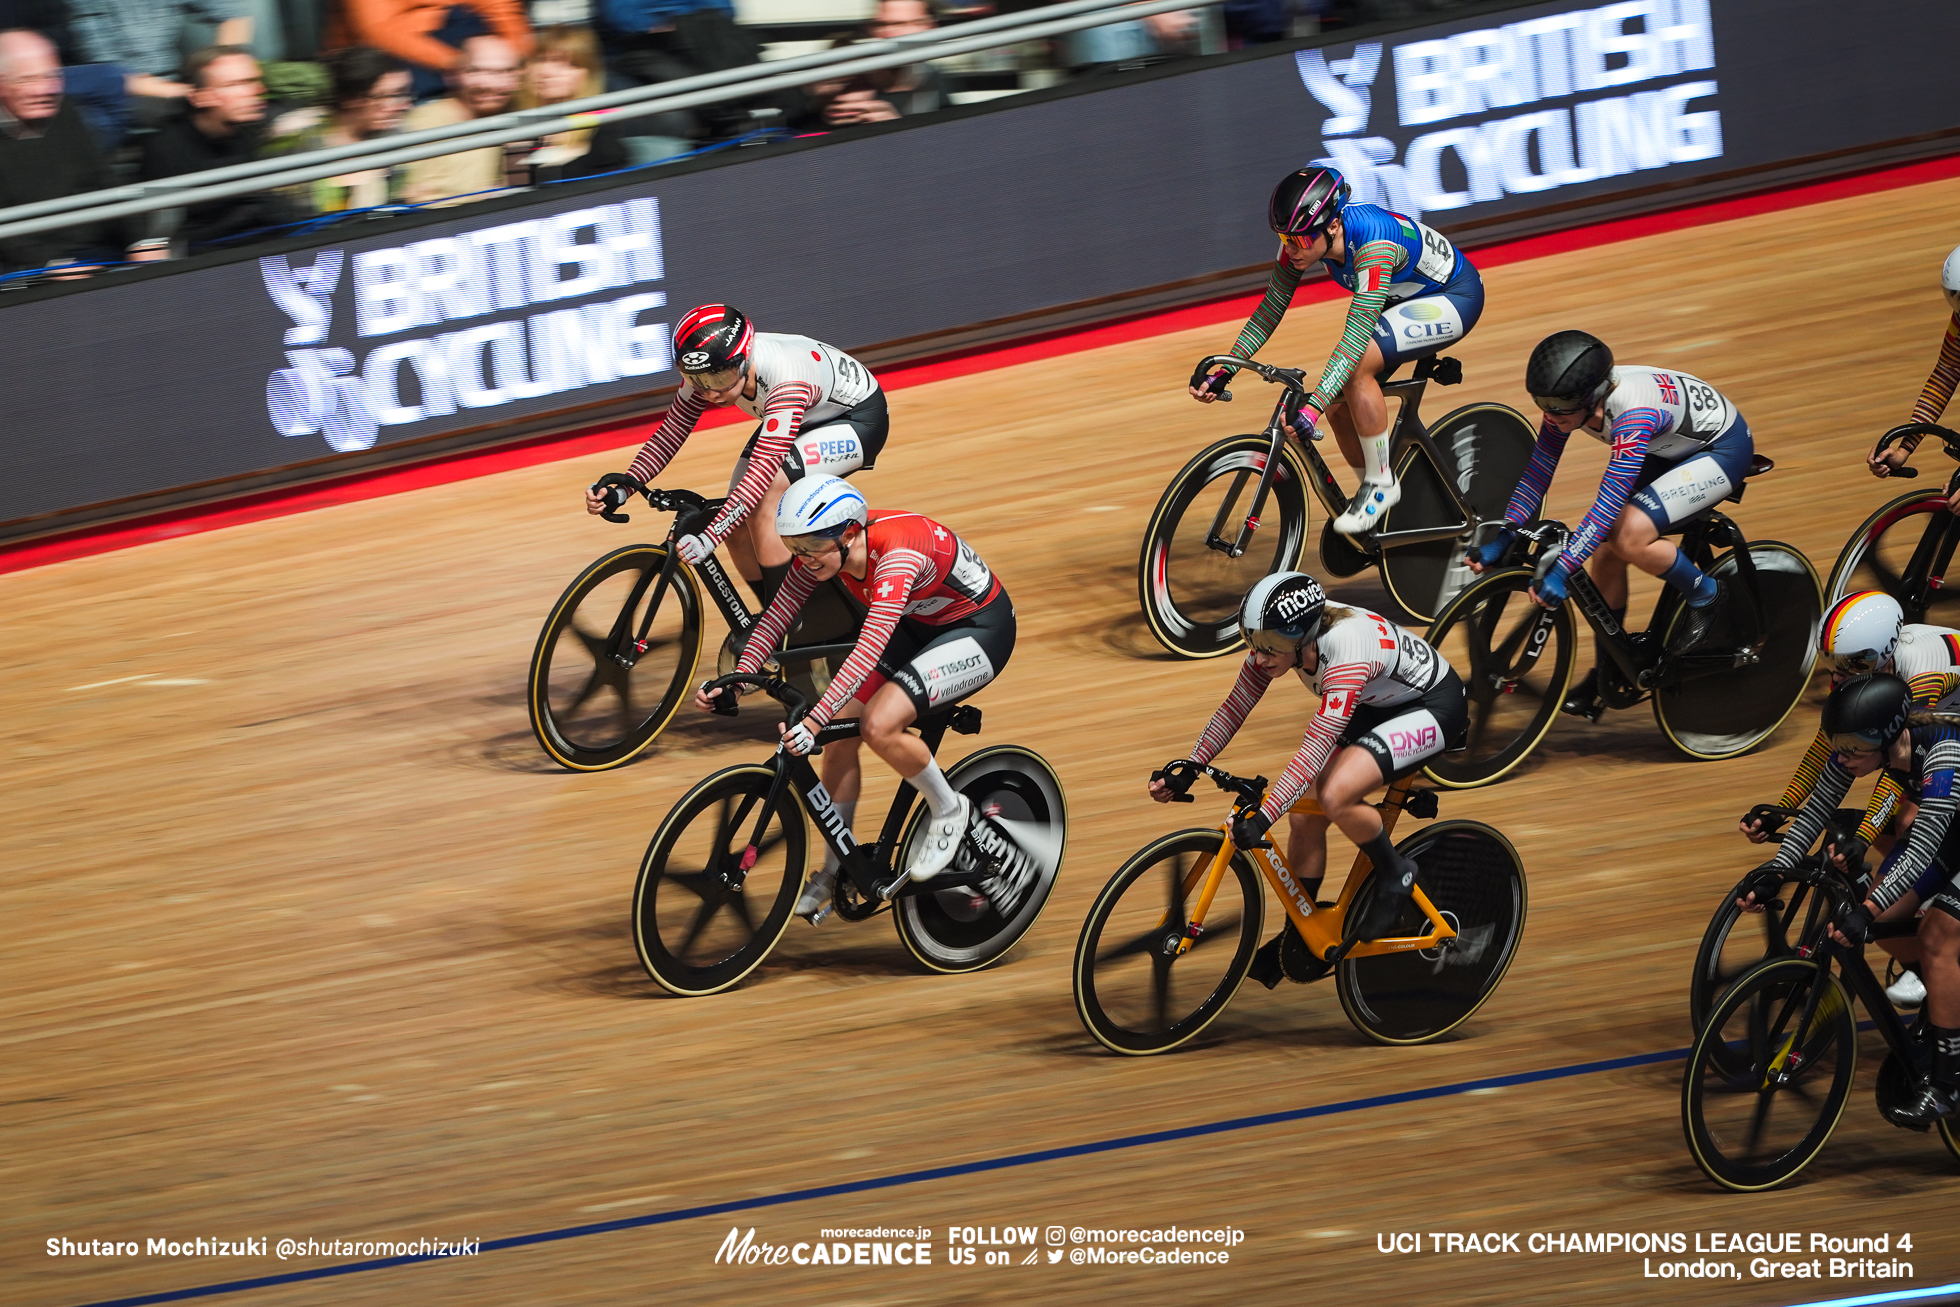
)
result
[(845, 444), (937, 666), (1404, 736)]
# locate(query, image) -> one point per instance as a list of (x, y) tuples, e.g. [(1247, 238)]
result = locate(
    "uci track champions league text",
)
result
[(583, 255), (1480, 75)]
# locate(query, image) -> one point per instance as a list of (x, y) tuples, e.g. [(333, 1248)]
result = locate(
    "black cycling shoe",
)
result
[(1698, 623), (1392, 892), (1932, 1102), (1265, 966), (1584, 701)]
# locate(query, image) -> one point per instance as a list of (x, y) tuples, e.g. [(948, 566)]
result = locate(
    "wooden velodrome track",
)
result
[(306, 938)]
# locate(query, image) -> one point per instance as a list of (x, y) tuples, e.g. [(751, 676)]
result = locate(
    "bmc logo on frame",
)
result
[(1478, 81), (568, 264)]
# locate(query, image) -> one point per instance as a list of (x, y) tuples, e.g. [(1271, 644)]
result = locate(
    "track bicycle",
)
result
[(1718, 700), (1905, 548), (723, 871), (1199, 555), (1770, 1071), (618, 652), (1171, 937)]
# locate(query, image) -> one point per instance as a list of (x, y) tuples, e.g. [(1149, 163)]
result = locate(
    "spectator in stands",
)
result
[(1155, 37), (98, 91), (482, 87), (650, 41), (46, 152), (145, 37), (431, 36), (892, 92), (370, 96), (223, 123), (566, 66)]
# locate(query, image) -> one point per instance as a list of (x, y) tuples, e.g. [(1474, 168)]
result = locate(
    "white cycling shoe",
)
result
[(1367, 509), (1907, 991), (940, 841), (818, 897)]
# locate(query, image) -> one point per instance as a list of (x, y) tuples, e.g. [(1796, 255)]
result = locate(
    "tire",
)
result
[(1737, 941), (695, 936), (1487, 633), (1473, 876), (1191, 592), (1731, 712), (1132, 994), (1881, 550), (1487, 447), (1747, 1133), (588, 712), (1020, 802)]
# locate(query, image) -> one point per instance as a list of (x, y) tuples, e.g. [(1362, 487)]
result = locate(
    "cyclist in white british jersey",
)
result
[(1679, 448), (821, 412), (1388, 703)]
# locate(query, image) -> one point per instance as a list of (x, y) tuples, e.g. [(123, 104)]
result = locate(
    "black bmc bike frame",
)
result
[(1934, 553), (1408, 429)]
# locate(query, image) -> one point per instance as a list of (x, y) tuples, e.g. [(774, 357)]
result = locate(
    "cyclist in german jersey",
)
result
[(1414, 293), (1388, 703), (821, 412), (1872, 723), (939, 627), (1937, 393), (1679, 448)]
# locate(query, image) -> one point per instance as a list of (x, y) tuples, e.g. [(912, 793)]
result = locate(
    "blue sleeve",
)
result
[(1631, 432), (1537, 479)]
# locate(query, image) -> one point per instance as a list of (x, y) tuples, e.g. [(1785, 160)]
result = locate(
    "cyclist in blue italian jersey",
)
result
[(1414, 293), (1679, 448)]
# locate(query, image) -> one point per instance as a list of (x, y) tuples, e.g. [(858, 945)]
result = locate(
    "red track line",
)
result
[(550, 449)]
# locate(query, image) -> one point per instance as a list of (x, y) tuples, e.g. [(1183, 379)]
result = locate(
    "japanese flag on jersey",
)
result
[(832, 382)]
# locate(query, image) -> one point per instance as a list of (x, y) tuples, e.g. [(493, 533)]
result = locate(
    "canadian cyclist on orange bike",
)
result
[(1679, 447), (1866, 632), (1414, 293), (1937, 393), (939, 626), (1388, 703), (1872, 722), (821, 413)]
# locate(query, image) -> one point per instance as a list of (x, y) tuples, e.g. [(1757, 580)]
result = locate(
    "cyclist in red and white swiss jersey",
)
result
[(821, 413), (1937, 393), (1388, 704), (939, 627)]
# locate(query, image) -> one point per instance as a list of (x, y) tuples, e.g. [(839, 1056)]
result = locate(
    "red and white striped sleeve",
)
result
[(1938, 390), (1231, 714), (667, 439), (1340, 691), (782, 418), (890, 586), (778, 617)]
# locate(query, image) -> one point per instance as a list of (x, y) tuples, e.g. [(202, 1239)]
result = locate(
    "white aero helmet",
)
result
[(820, 506), (1861, 631), (1950, 279)]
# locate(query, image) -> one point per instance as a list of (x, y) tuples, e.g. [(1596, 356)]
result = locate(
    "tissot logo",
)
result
[(569, 261), (1481, 76)]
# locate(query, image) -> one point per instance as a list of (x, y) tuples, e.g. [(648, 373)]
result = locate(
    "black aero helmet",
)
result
[(1568, 371), (1867, 712), (1304, 202), (1282, 612)]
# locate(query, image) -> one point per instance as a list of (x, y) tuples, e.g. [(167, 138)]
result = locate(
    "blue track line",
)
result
[(1897, 1295), (1008, 1162)]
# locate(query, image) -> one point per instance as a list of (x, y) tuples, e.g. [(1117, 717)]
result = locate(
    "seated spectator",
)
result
[(46, 152), (144, 37), (370, 96), (1156, 37), (483, 87), (651, 41), (892, 92), (223, 123), (565, 66), (430, 36)]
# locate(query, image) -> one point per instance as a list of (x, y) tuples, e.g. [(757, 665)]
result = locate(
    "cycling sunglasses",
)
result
[(1301, 242), (1557, 407), (721, 380), (813, 546), (1272, 642)]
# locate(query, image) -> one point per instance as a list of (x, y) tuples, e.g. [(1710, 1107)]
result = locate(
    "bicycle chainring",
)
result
[(1340, 555)]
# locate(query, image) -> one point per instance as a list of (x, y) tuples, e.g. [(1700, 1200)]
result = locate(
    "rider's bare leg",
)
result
[(1367, 412), (1306, 848), (1350, 444), (754, 544)]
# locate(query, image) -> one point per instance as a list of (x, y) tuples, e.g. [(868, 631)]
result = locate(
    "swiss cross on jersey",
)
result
[(943, 579)]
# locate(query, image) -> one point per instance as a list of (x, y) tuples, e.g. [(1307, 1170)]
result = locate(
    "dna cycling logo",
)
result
[(571, 265), (1475, 79)]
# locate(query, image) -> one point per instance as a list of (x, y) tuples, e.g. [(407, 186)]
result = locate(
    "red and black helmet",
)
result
[(1304, 202), (713, 341)]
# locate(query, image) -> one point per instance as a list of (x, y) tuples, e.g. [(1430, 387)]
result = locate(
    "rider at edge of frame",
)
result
[(1867, 632), (939, 627), (1679, 448), (1872, 722), (1388, 703), (1414, 294), (821, 413), (1937, 393)]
